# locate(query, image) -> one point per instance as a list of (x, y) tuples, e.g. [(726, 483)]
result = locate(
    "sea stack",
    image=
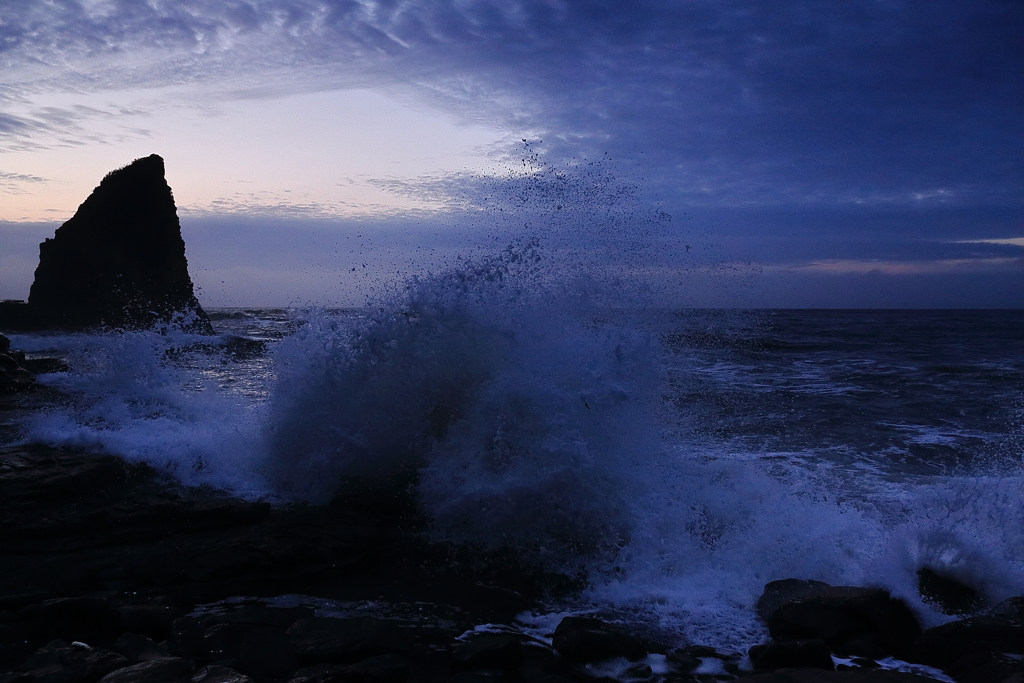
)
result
[(120, 261)]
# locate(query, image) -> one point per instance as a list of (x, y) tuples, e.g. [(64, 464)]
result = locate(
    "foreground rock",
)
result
[(811, 621), (988, 647), (852, 676), (110, 573), (119, 262), (14, 376), (851, 621)]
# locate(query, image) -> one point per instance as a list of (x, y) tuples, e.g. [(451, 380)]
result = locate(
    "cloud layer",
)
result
[(813, 136), (723, 101)]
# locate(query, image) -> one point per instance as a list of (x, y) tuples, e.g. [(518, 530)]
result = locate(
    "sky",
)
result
[(792, 153)]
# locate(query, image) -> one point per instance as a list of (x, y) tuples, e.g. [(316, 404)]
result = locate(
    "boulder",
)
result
[(380, 669), (850, 676), (794, 654), (119, 262), (504, 651), (219, 674), (138, 648), (865, 622), (949, 595), (163, 670), (998, 633), (82, 619), (586, 639), (63, 661), (777, 593), (325, 639), (153, 620), (14, 376)]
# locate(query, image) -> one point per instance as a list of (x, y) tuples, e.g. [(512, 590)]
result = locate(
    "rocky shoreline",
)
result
[(110, 572)]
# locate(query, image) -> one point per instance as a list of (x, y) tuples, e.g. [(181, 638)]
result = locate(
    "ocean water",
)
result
[(682, 458)]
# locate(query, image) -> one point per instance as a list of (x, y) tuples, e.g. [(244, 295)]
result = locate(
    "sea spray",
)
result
[(159, 397), (513, 412)]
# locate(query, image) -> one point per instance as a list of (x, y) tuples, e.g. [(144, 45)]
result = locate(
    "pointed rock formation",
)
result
[(120, 261)]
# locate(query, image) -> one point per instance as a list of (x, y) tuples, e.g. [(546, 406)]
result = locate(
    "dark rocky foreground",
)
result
[(109, 572)]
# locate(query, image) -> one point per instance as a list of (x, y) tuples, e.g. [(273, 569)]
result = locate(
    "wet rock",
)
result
[(638, 672), (559, 671), (163, 670), (493, 651), (82, 619), (266, 654), (819, 676), (985, 668), (948, 594), (839, 615), (224, 641), (138, 648), (18, 600), (794, 654), (488, 676), (14, 376), (63, 662), (585, 639), (151, 620), (323, 639), (188, 634), (994, 634), (119, 261), (381, 669), (219, 674), (682, 662), (778, 593), (1011, 609)]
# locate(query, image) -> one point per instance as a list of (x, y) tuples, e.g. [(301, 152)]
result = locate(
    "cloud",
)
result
[(14, 183), (714, 101), (918, 267), (1015, 241)]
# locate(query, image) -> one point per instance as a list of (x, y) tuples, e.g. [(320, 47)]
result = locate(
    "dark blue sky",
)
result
[(809, 153)]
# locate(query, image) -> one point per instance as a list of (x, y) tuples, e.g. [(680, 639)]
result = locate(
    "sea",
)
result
[(679, 458)]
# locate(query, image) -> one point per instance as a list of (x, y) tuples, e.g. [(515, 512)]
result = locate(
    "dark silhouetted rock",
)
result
[(682, 662), (976, 639), (777, 593), (153, 621), (61, 661), (219, 674), (819, 676), (949, 595), (266, 654), (380, 669), (138, 648), (795, 654), (14, 376), (585, 639), (164, 670), (503, 651), (844, 616), (119, 262), (323, 639), (71, 618)]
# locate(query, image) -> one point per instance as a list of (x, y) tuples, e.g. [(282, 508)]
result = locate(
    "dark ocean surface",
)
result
[(683, 458)]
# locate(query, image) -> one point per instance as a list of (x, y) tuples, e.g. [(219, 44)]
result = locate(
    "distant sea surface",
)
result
[(683, 458)]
